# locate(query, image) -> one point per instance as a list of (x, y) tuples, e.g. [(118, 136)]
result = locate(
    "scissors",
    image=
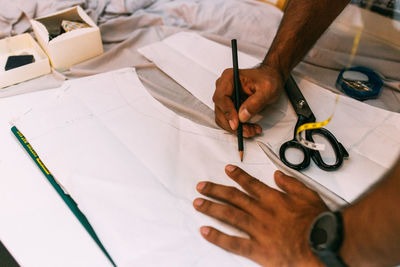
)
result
[(305, 115)]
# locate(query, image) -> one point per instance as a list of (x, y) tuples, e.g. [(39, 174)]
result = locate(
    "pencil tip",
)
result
[(241, 155)]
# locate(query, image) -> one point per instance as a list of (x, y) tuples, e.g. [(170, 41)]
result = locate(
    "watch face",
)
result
[(319, 237), (324, 232)]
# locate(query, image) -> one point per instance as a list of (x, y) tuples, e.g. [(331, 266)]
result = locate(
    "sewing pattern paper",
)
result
[(370, 135), (132, 166)]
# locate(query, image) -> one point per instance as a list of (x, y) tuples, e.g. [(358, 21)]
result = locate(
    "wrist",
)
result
[(345, 250), (350, 249), (313, 260), (309, 258), (326, 238), (273, 71), (275, 62)]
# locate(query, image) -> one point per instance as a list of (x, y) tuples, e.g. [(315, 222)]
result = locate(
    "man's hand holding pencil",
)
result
[(261, 86)]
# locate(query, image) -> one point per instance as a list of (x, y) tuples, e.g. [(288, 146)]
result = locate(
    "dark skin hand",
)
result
[(276, 222), (303, 23), (261, 86)]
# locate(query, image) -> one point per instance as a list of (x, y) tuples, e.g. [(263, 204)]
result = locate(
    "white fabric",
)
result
[(36, 225), (370, 135), (126, 6), (132, 166), (252, 22)]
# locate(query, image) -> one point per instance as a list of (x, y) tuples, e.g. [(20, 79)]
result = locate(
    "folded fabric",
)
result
[(126, 6)]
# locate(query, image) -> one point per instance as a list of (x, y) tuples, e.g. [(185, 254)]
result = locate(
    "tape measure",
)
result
[(311, 126), (360, 83)]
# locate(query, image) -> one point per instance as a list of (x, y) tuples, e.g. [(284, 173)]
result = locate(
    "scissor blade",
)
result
[(331, 199), (297, 99)]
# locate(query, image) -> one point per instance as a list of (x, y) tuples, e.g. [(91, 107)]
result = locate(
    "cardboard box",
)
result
[(71, 47), (20, 45)]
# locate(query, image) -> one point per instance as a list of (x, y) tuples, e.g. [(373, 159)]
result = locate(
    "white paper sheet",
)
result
[(371, 135), (132, 166), (36, 225), (175, 55)]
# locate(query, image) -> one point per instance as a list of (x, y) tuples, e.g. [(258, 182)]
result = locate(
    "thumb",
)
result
[(253, 105)]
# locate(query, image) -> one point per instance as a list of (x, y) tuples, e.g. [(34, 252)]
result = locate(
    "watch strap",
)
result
[(331, 259)]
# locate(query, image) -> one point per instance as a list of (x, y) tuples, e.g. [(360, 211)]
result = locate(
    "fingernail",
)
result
[(198, 202), (204, 230), (230, 168), (200, 186), (232, 124), (244, 115)]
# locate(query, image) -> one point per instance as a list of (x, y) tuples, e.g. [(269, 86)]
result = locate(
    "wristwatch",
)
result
[(326, 237)]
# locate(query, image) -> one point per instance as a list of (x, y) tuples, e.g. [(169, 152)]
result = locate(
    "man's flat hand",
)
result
[(261, 86), (277, 222)]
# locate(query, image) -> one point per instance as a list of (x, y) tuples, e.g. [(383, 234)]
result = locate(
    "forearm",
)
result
[(302, 24), (372, 226)]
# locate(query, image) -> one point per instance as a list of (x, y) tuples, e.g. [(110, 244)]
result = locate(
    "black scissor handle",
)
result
[(294, 144), (340, 151)]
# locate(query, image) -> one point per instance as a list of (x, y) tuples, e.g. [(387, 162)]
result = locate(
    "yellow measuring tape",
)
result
[(311, 126)]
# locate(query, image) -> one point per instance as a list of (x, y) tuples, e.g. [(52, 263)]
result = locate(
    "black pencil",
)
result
[(237, 88)]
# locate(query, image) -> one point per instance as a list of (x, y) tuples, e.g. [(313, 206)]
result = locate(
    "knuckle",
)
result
[(227, 213), (273, 196), (215, 237), (222, 122), (218, 117), (215, 97), (227, 72), (217, 120), (207, 187), (235, 245), (248, 202), (232, 191), (218, 81), (217, 114), (240, 219), (227, 113), (264, 97), (250, 132), (267, 84), (245, 180), (253, 182), (246, 249), (215, 190), (239, 198), (313, 196), (206, 207), (238, 172), (218, 98)]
